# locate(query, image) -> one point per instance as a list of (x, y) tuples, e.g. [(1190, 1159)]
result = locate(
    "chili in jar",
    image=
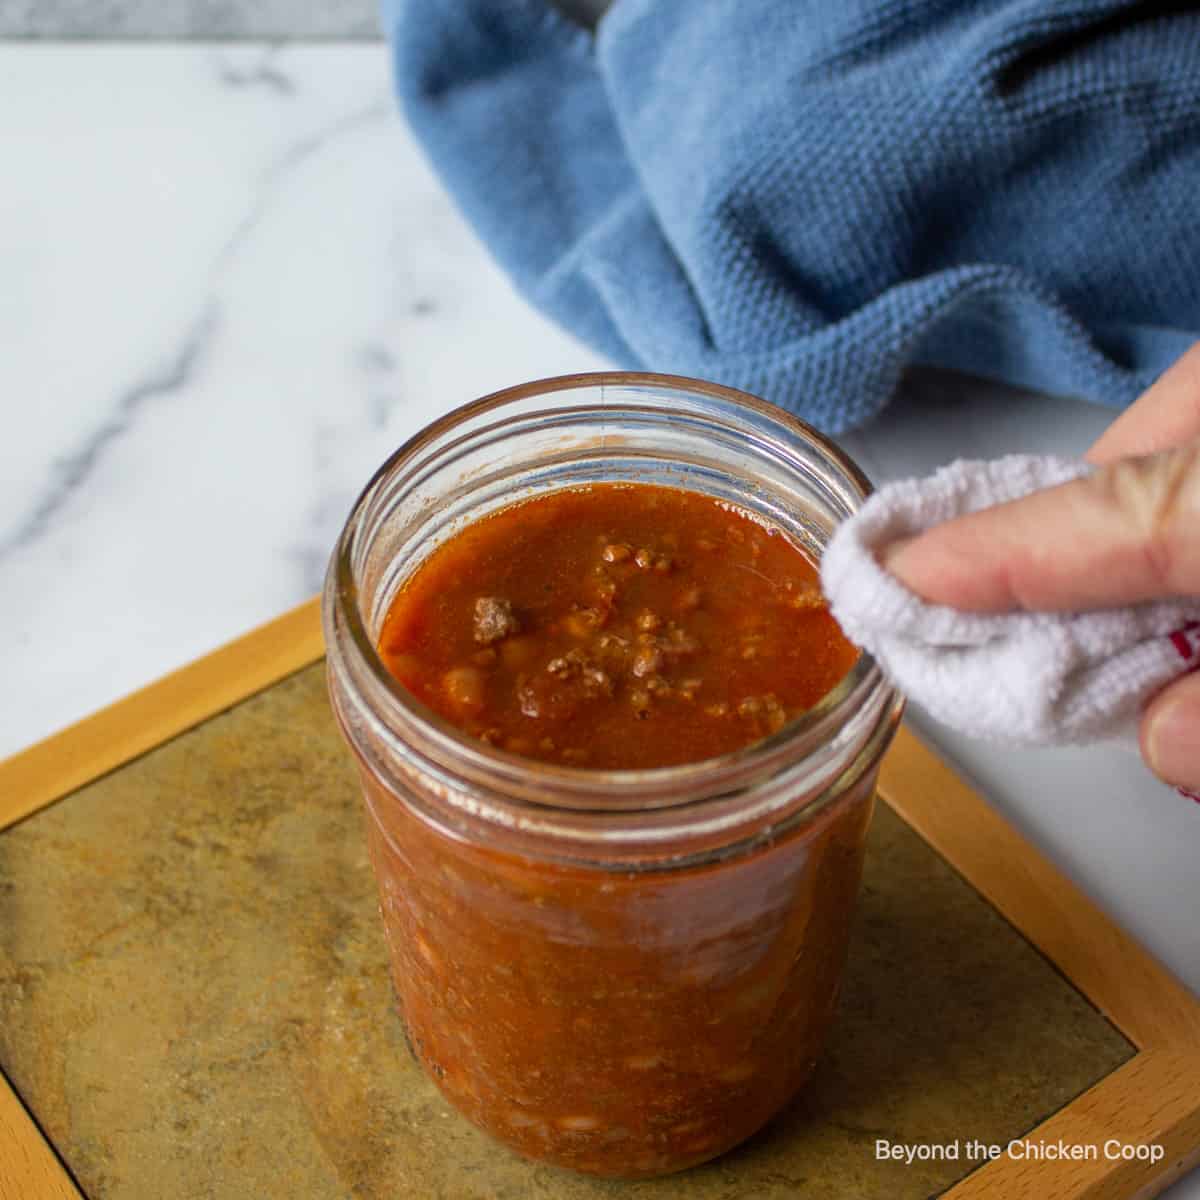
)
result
[(618, 760)]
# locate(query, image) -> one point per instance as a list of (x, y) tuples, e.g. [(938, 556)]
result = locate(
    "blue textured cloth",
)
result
[(800, 197)]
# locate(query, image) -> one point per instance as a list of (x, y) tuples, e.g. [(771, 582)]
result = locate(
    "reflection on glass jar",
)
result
[(616, 971)]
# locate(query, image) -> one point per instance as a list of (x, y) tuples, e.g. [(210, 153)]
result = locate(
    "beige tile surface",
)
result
[(194, 1000)]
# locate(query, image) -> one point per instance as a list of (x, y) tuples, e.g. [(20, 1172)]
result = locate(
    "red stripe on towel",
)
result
[(1187, 641)]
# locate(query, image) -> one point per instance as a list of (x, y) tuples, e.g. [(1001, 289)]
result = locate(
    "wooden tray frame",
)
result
[(1153, 1098)]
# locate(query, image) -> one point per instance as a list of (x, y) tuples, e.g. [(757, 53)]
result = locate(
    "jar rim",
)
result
[(578, 788)]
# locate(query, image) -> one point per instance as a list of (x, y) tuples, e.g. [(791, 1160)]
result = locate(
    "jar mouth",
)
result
[(552, 785)]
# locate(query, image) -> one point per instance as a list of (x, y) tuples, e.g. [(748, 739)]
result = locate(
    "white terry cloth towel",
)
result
[(1021, 678)]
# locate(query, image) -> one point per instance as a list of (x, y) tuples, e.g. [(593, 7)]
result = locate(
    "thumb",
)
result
[(1128, 532), (1168, 733)]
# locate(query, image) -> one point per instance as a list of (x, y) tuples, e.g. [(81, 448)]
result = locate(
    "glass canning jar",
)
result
[(622, 972)]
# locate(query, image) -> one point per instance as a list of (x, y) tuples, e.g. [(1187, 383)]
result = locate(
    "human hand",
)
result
[(1128, 532)]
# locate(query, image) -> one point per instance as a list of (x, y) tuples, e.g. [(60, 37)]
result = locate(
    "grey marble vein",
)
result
[(264, 73), (201, 19), (309, 555), (342, 20), (292, 157), (71, 471)]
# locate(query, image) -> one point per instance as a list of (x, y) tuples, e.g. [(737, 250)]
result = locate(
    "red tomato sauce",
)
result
[(616, 626)]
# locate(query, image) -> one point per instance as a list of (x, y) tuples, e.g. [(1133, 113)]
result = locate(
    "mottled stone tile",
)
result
[(195, 1001)]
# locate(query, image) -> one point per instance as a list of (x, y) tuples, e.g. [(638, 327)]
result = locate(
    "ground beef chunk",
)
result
[(494, 620)]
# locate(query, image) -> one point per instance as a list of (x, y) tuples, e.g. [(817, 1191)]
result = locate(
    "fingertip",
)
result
[(893, 558), (942, 566), (908, 561)]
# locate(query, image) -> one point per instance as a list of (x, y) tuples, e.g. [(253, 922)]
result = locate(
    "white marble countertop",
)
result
[(231, 287)]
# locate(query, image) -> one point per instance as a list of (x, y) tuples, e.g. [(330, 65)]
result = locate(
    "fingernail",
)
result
[(1172, 744), (888, 554)]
